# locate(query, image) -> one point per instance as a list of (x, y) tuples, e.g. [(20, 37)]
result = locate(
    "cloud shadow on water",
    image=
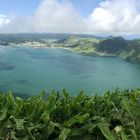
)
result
[(22, 82), (5, 66), (77, 65)]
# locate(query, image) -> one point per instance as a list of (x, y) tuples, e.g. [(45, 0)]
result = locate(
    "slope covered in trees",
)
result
[(112, 45)]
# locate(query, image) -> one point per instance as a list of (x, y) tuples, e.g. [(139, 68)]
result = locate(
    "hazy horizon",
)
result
[(127, 37)]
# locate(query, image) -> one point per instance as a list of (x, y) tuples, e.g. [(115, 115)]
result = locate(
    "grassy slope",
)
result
[(110, 46), (114, 115), (82, 44), (132, 52)]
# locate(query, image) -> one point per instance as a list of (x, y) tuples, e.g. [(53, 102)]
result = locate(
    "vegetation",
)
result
[(132, 52), (112, 45), (112, 116), (91, 45)]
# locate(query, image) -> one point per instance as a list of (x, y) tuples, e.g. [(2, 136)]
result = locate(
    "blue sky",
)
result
[(22, 7), (107, 17), (86, 6)]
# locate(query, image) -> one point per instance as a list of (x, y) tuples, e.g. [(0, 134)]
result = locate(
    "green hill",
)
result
[(87, 44), (112, 45), (132, 52)]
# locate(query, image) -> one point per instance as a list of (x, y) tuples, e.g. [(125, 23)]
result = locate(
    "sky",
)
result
[(98, 17)]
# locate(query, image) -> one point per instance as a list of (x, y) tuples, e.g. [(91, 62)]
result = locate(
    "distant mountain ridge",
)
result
[(87, 44)]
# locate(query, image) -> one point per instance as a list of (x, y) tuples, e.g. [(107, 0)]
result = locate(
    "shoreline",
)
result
[(93, 53), (74, 50)]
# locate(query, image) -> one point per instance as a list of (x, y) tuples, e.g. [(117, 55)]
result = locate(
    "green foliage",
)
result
[(112, 116), (112, 45)]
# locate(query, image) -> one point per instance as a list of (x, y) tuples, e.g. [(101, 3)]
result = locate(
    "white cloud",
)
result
[(116, 16), (3, 20), (50, 16), (53, 16), (110, 17)]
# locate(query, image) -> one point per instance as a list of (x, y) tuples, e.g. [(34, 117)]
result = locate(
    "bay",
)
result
[(26, 70)]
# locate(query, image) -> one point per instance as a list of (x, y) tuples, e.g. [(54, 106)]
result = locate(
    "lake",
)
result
[(26, 70)]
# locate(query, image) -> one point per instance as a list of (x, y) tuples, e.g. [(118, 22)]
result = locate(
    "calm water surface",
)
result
[(27, 70)]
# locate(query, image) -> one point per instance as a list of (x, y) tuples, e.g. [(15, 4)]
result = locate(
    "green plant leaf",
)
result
[(105, 131), (64, 134), (76, 119), (3, 114), (123, 135)]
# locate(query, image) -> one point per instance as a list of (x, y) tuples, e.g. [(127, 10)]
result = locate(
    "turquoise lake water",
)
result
[(26, 70)]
